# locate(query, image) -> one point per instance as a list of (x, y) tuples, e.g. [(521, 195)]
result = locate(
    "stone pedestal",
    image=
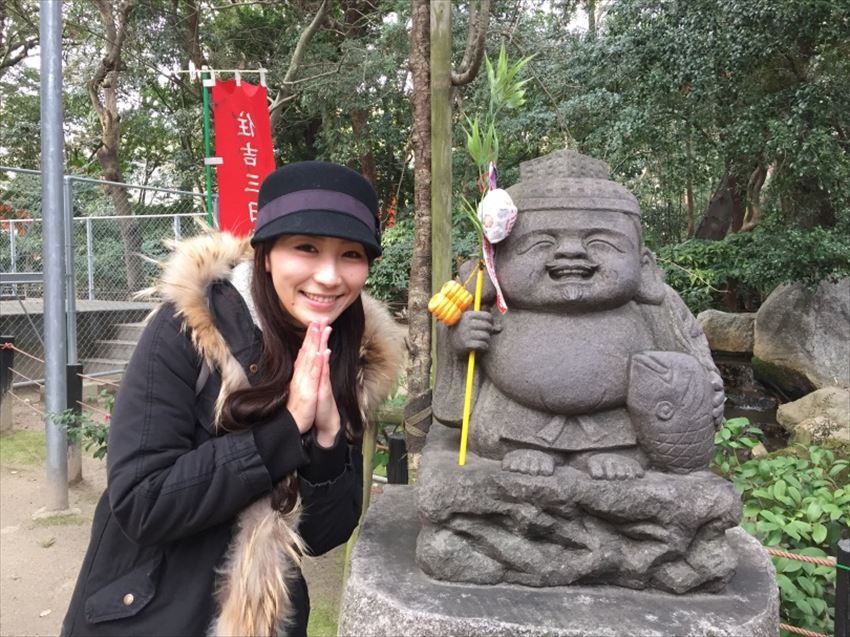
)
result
[(484, 525), (387, 594)]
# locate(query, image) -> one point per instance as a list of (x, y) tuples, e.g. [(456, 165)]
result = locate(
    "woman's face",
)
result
[(316, 277)]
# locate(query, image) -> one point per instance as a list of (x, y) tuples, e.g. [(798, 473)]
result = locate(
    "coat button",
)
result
[(129, 599), (253, 368)]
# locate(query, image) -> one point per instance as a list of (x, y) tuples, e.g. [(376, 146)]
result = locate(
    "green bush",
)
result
[(389, 275), (757, 262), (795, 500)]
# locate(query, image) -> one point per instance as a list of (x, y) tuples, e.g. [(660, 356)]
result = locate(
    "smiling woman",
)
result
[(316, 278), (235, 440)]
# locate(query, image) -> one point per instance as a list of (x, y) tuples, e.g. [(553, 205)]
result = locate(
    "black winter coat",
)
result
[(175, 487)]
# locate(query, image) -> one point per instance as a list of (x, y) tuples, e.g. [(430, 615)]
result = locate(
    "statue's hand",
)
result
[(472, 332)]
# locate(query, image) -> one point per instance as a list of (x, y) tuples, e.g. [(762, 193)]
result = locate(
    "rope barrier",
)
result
[(15, 371), (26, 402), (820, 561), (801, 631), (20, 351), (98, 381), (100, 412)]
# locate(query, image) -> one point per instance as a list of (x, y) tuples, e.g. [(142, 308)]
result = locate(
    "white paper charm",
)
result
[(497, 214)]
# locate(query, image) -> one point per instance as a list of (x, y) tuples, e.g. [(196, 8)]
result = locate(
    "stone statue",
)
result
[(594, 409)]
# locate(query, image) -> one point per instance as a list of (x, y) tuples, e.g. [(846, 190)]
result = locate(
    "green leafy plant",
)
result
[(797, 500), (482, 139), (754, 262), (736, 435), (80, 427)]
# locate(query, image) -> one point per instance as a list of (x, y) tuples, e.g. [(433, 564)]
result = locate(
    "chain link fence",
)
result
[(117, 234)]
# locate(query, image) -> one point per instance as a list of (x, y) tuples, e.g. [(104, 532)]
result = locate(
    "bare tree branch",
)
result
[(284, 94), (18, 35), (476, 36)]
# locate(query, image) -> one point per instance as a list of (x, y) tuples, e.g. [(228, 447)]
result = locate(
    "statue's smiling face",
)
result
[(570, 260)]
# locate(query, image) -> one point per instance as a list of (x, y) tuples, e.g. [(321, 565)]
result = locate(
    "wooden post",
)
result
[(397, 464), (7, 361), (75, 398), (842, 590), (441, 144)]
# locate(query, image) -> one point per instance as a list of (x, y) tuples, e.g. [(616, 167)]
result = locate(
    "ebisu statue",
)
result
[(594, 409)]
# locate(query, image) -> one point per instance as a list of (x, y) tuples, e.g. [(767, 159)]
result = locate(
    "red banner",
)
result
[(243, 141)]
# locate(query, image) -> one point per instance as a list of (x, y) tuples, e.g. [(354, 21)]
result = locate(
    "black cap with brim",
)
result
[(321, 223), (321, 199)]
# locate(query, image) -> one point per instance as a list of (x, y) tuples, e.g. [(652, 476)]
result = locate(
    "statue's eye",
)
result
[(665, 410), (537, 243), (598, 242)]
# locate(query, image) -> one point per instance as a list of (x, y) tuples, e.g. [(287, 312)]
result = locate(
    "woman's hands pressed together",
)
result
[(311, 401)]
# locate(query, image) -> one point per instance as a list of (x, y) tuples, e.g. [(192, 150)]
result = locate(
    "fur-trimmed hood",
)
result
[(197, 263), (264, 555)]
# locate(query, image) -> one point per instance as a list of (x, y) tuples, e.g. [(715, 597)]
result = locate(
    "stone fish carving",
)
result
[(670, 402), (594, 409)]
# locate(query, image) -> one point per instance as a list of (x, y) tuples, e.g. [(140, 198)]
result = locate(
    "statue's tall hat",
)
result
[(567, 180)]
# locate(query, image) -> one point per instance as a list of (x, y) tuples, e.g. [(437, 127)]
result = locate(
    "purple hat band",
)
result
[(303, 200)]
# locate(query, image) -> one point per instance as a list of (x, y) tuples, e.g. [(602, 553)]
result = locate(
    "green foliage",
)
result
[(735, 438), (798, 501), (389, 275), (756, 261), (92, 434), (482, 139)]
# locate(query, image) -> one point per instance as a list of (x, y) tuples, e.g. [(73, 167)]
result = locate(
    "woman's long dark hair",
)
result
[(282, 339)]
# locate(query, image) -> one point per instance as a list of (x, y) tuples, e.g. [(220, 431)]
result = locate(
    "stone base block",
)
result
[(387, 594)]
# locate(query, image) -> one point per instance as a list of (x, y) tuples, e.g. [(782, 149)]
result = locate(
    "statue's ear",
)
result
[(651, 289)]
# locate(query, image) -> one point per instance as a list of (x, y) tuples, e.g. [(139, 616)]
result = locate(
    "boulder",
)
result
[(822, 414), (802, 338), (726, 331)]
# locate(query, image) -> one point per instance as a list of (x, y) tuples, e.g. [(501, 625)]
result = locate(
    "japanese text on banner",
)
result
[(243, 142)]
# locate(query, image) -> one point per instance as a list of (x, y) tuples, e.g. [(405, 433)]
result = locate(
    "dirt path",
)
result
[(40, 559)]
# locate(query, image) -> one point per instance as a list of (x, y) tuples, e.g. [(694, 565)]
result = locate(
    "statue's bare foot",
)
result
[(613, 466), (530, 461)]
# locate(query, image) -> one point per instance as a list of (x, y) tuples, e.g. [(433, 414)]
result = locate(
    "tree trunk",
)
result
[(103, 93), (754, 185), (738, 207), (590, 9), (360, 126), (356, 12), (725, 211), (419, 287), (689, 190)]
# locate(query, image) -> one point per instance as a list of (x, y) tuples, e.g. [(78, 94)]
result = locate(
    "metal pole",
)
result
[(52, 169), (176, 224), (207, 148), (75, 402), (90, 258), (13, 252), (842, 590), (7, 363), (70, 287), (397, 463)]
